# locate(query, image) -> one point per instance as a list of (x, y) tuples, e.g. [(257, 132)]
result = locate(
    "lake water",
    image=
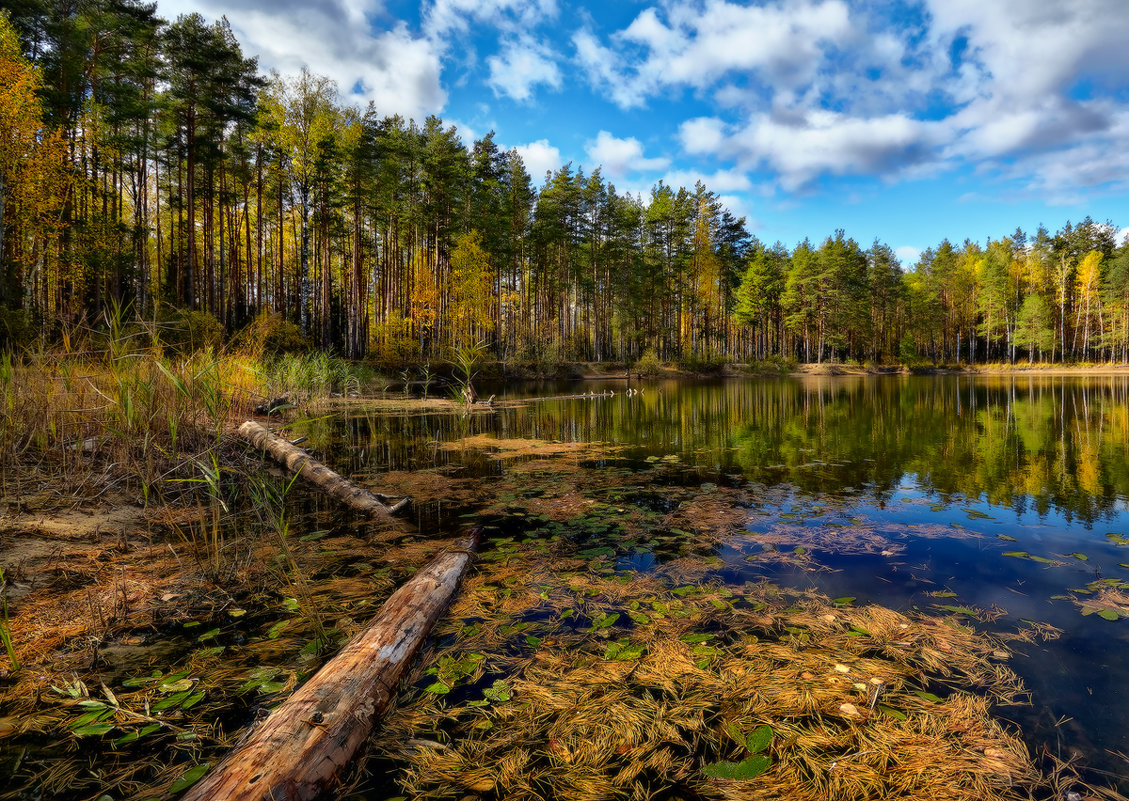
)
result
[(1005, 494)]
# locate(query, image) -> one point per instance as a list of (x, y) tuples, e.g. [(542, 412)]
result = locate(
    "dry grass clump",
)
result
[(1110, 603), (500, 448), (574, 685)]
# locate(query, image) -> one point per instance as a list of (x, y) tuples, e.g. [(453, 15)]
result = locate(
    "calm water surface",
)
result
[(895, 487)]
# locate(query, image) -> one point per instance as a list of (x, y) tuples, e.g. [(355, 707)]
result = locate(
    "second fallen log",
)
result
[(334, 484)]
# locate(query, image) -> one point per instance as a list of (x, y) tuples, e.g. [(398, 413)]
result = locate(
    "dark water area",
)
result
[(1006, 494)]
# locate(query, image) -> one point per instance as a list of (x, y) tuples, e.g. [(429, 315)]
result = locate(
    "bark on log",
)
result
[(298, 461), (300, 749)]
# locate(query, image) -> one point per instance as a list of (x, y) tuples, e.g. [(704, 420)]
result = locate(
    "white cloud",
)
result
[(806, 88), (1027, 50), (802, 147), (619, 157), (908, 255), (523, 65), (738, 206), (443, 17), (698, 43), (604, 69), (702, 135), (719, 181), (400, 72), (539, 157)]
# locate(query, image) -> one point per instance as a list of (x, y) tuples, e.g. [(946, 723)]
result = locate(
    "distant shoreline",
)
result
[(1018, 369), (597, 372)]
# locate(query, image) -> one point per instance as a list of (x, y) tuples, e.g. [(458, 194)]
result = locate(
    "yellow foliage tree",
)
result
[(470, 303), (31, 168), (1089, 304), (705, 277), (425, 298)]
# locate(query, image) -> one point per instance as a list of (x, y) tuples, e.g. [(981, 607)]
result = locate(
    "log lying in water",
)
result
[(301, 748), (317, 473)]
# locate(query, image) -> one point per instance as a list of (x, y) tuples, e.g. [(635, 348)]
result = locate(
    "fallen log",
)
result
[(298, 461), (299, 751)]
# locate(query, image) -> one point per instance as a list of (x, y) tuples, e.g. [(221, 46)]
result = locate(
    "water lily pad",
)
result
[(190, 777), (759, 739), (606, 621), (739, 771)]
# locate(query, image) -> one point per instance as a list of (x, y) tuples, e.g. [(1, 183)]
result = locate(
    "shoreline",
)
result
[(591, 371)]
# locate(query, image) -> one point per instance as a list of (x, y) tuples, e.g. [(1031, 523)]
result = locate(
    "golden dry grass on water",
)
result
[(556, 682)]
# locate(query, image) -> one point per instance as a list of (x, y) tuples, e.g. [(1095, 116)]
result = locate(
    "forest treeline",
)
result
[(151, 165)]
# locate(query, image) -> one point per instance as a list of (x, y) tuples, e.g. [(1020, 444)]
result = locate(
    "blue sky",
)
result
[(909, 121)]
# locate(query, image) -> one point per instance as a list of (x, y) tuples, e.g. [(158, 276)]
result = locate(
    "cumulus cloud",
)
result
[(801, 147), (805, 88), (619, 157), (522, 65), (398, 71), (702, 135), (442, 17), (539, 157), (734, 180), (604, 68), (693, 44)]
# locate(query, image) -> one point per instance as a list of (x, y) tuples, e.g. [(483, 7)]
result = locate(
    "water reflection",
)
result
[(1027, 443)]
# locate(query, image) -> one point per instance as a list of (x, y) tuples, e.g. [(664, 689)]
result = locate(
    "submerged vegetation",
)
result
[(582, 686)]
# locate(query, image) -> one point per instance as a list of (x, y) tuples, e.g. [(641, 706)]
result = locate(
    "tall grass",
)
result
[(304, 377), (110, 408), (114, 414), (5, 631)]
